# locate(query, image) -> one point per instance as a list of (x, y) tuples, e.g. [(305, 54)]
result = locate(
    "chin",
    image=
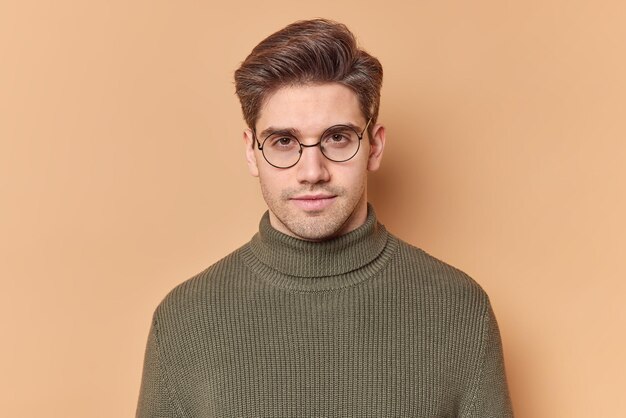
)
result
[(316, 226)]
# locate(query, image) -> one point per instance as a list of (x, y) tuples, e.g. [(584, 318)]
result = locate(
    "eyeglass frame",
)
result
[(317, 144)]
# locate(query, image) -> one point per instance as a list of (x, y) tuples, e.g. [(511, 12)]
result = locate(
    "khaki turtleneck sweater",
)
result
[(363, 325)]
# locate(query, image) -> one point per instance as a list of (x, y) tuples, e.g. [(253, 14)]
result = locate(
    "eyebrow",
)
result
[(279, 131), (295, 132)]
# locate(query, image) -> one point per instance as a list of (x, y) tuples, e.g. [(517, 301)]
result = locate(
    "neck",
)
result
[(293, 263)]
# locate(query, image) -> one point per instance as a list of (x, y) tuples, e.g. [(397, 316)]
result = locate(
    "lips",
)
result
[(313, 202)]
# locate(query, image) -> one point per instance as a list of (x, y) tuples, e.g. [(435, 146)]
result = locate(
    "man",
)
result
[(323, 313)]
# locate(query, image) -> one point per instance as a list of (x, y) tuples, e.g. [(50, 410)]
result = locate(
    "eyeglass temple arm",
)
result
[(365, 129), (258, 144)]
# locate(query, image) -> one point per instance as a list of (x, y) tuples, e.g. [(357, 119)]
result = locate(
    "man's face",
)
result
[(317, 198)]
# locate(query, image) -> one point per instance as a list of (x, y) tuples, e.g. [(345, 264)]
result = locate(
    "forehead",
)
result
[(310, 107)]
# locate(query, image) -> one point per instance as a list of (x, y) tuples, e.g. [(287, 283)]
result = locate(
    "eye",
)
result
[(282, 142), (338, 137)]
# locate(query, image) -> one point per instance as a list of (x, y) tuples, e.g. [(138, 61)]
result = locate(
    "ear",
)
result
[(377, 146), (248, 139)]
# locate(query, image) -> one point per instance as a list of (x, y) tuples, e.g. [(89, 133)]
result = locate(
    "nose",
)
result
[(312, 167)]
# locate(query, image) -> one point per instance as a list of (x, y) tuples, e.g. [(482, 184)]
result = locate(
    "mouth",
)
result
[(313, 202)]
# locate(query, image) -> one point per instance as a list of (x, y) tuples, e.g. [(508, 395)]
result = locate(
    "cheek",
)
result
[(351, 177), (356, 168), (272, 182)]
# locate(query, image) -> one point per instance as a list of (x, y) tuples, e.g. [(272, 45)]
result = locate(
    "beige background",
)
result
[(122, 174)]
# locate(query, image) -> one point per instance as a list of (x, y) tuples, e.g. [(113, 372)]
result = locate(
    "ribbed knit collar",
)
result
[(337, 262)]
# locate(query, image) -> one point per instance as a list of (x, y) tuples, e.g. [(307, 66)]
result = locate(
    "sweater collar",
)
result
[(338, 256)]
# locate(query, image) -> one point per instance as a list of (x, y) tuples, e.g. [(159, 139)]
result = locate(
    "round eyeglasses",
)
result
[(338, 143)]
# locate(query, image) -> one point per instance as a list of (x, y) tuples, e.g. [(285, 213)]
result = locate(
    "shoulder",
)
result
[(436, 278), (209, 286)]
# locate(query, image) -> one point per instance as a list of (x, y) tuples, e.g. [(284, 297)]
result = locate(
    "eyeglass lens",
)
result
[(338, 143)]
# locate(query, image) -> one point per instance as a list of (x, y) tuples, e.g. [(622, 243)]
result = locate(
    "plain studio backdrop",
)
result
[(122, 174)]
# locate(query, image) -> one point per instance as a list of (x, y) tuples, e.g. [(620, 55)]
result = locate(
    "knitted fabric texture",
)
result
[(363, 325)]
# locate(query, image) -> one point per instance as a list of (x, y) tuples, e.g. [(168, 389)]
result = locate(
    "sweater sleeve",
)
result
[(490, 394), (156, 399)]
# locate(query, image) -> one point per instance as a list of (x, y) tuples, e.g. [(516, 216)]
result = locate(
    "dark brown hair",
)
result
[(309, 51)]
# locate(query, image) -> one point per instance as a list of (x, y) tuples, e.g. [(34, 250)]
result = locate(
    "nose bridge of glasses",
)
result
[(317, 145)]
